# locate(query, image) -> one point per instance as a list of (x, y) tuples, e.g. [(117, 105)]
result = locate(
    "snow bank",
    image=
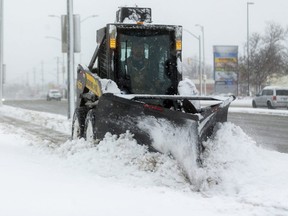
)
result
[(123, 159), (235, 166), (174, 140)]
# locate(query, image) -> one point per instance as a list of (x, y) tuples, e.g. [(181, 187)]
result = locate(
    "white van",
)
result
[(271, 97), (54, 94)]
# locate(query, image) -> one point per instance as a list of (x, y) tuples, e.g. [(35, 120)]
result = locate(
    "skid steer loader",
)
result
[(149, 99)]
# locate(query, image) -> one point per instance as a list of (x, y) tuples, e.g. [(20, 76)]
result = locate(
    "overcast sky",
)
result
[(27, 25)]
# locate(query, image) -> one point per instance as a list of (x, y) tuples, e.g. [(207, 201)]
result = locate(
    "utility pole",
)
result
[(34, 77), (42, 75), (248, 51), (27, 78), (57, 75), (203, 59), (70, 59), (63, 70), (1, 52)]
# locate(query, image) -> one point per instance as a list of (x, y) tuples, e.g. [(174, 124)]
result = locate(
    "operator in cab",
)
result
[(137, 68)]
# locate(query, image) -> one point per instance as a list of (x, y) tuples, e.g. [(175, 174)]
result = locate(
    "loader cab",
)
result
[(113, 58), (152, 68), (156, 73)]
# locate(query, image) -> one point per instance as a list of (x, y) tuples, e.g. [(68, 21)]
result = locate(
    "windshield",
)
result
[(142, 58)]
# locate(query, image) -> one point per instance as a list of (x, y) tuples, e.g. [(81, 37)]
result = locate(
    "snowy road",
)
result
[(53, 106), (269, 131)]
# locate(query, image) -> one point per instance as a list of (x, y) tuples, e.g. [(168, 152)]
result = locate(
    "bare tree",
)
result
[(268, 56)]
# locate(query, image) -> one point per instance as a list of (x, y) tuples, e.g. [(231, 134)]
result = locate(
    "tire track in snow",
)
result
[(41, 132)]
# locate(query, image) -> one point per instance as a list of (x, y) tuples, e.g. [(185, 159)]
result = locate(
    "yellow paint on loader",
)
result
[(93, 85)]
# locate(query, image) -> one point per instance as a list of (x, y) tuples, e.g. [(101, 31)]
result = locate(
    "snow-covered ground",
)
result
[(119, 177)]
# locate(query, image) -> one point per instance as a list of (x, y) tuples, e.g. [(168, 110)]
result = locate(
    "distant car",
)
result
[(271, 97), (54, 94)]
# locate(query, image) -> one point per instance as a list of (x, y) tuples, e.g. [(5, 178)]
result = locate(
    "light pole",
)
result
[(248, 51), (203, 58), (70, 59), (199, 66), (1, 51)]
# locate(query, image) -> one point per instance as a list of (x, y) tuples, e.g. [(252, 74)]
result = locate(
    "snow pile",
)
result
[(174, 140), (123, 159), (109, 86), (222, 155), (235, 166), (186, 87)]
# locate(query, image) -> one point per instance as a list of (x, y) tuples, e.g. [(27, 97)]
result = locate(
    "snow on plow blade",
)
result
[(171, 131)]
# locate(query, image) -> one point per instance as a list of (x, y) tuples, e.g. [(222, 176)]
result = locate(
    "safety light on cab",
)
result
[(178, 45)]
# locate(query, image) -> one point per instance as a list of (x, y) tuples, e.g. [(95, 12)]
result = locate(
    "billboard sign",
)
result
[(226, 69)]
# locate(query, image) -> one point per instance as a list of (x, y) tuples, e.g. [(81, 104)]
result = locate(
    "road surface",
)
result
[(269, 131)]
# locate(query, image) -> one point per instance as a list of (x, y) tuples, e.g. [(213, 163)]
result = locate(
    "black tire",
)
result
[(269, 105), (90, 129), (78, 122), (254, 104)]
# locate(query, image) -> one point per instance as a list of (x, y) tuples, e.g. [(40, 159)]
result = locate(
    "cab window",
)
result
[(267, 92)]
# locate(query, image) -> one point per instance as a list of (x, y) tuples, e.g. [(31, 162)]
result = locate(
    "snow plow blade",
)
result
[(155, 125)]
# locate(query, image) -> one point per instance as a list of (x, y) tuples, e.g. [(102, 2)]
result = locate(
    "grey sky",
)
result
[(27, 24)]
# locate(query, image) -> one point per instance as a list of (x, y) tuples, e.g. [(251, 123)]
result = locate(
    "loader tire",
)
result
[(78, 122), (89, 129)]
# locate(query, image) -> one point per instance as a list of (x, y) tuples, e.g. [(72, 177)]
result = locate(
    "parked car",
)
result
[(271, 97), (54, 94)]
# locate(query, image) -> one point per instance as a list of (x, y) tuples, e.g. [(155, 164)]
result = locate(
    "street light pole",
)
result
[(70, 59), (203, 58), (1, 51), (248, 51), (199, 66)]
